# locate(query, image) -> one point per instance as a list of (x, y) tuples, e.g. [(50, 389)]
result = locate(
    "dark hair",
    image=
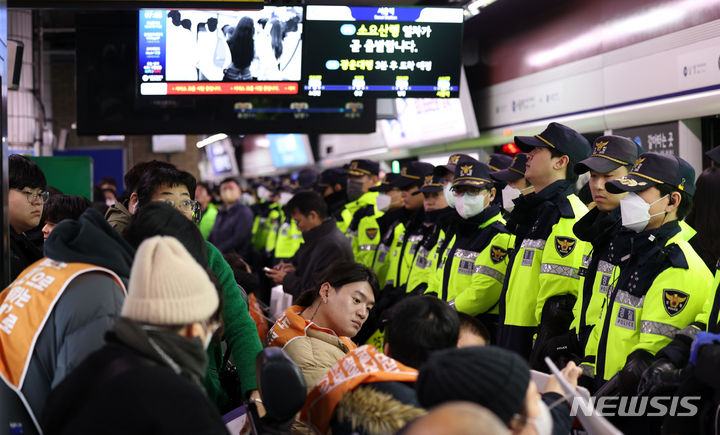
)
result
[(59, 207), (205, 186), (108, 180), (705, 216), (305, 202), (337, 275), (160, 219), (686, 201), (242, 44), (155, 178), (419, 325), (228, 180), (242, 272), (570, 173), (24, 173), (277, 34), (132, 177), (474, 325)]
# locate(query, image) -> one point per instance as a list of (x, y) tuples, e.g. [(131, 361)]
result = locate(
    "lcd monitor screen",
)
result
[(288, 150), (109, 101), (382, 51), (226, 52)]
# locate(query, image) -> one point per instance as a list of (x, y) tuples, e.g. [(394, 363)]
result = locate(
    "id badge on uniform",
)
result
[(465, 267), (605, 284), (528, 256), (625, 318), (383, 250)]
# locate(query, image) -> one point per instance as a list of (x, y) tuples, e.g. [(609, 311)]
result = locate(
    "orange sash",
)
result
[(363, 365), (291, 326), (258, 317), (25, 307)]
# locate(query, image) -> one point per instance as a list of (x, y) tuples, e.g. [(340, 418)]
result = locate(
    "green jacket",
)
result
[(208, 220), (545, 268), (630, 322), (288, 241), (472, 269), (240, 334), (367, 198)]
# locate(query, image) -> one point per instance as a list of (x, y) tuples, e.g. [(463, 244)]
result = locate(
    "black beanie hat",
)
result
[(489, 376)]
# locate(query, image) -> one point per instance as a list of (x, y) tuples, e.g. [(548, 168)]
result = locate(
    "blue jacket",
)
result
[(232, 231)]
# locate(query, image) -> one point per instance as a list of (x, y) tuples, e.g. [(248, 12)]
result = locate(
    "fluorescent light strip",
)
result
[(212, 139)]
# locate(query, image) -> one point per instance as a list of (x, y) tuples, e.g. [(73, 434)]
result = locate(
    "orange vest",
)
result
[(363, 365), (291, 326), (258, 317), (25, 307)]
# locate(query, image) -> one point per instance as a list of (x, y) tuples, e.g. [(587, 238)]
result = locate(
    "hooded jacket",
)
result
[(118, 216), (85, 311)]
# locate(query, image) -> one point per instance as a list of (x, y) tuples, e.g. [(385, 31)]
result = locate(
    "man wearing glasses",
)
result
[(26, 198)]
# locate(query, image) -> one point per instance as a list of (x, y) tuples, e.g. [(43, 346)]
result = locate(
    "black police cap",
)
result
[(559, 137), (498, 162), (472, 173), (362, 167), (714, 154), (433, 183), (516, 170), (387, 184), (609, 153), (652, 169), (452, 161), (414, 173)]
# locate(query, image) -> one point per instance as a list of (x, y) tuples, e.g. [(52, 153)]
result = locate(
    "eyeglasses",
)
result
[(186, 205), (33, 197)]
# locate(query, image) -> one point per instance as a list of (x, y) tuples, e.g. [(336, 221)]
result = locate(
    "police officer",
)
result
[(409, 232), (542, 284), (498, 162), (516, 184), (366, 225), (332, 187), (438, 215), (362, 175), (660, 285), (667, 372), (472, 269), (612, 158), (287, 238)]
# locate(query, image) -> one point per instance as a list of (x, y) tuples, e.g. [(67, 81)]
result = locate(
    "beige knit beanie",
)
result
[(167, 286)]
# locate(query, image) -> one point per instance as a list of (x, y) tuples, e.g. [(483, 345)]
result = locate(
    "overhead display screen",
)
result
[(382, 52), (191, 52)]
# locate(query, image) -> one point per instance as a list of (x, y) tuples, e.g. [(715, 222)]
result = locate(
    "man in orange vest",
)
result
[(367, 389), (56, 313)]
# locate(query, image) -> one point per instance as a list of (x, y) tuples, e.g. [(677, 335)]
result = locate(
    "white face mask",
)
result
[(508, 195), (449, 196), (543, 423), (248, 199), (109, 202), (635, 212), (468, 205), (285, 197), (263, 193), (383, 201)]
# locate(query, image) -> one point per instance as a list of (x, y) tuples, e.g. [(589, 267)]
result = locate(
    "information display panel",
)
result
[(382, 52)]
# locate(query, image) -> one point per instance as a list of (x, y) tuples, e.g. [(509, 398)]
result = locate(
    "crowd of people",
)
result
[(423, 302)]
